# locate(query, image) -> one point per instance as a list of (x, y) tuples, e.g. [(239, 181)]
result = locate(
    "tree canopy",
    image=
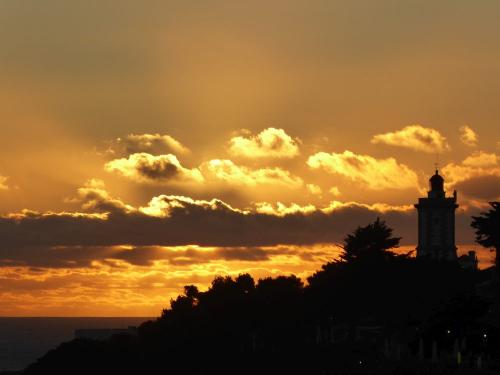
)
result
[(487, 228), (370, 242)]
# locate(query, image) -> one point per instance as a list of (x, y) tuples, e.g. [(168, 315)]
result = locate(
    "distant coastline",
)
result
[(24, 339)]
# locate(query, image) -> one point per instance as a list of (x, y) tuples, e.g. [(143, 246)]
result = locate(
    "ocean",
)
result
[(23, 340)]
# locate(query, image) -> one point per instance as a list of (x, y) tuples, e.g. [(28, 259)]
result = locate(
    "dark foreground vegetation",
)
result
[(370, 312)]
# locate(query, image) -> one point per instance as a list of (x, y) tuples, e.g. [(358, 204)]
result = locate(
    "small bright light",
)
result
[(360, 362), (448, 331), (485, 335)]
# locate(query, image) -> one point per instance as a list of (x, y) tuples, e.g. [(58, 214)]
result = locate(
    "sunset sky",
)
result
[(146, 145)]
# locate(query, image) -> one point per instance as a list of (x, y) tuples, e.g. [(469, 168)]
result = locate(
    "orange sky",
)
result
[(148, 145)]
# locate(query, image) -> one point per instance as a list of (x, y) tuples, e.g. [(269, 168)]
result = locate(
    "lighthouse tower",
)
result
[(436, 222)]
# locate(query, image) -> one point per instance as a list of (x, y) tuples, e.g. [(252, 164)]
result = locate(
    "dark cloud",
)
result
[(239, 253), (141, 235), (150, 143), (144, 256), (94, 198), (158, 170), (482, 187), (41, 257), (52, 256)]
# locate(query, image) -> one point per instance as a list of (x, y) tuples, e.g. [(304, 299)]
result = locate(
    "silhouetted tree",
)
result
[(487, 227), (184, 303), (191, 291), (370, 242), (360, 283), (246, 283)]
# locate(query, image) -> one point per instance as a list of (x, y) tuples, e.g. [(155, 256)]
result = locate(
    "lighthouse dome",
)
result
[(436, 182)]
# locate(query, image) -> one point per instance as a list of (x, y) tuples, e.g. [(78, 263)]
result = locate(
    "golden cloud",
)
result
[(144, 167), (163, 205), (468, 136), (93, 197), (140, 281), (269, 143), (227, 171), (313, 189), (373, 173), (280, 209), (335, 191), (415, 137), (3, 183), (375, 207), (162, 169), (478, 164), (481, 159)]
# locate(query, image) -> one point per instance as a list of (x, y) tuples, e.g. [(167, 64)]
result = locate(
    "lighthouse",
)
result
[(436, 222)]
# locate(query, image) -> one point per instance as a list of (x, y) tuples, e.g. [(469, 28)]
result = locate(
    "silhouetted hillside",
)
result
[(370, 312)]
